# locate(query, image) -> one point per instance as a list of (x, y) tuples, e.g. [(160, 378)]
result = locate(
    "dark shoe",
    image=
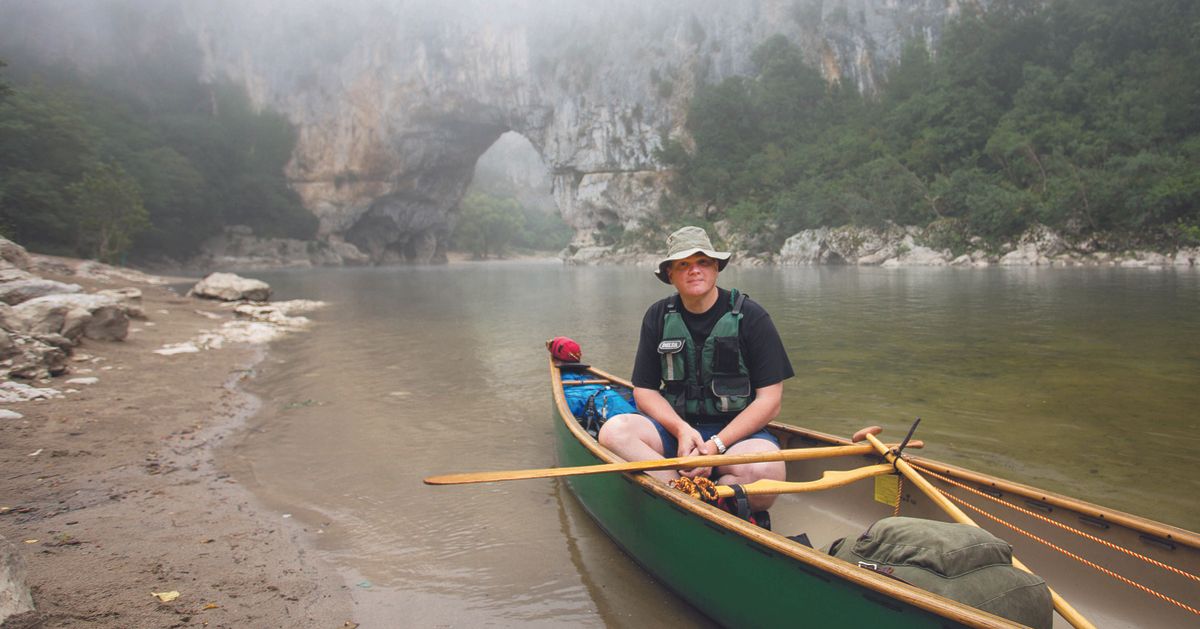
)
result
[(801, 539), (740, 506)]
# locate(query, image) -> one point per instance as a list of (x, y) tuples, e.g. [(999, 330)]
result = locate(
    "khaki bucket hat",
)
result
[(685, 242)]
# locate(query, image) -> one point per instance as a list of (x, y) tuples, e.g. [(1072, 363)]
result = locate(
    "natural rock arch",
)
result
[(395, 103), (395, 100)]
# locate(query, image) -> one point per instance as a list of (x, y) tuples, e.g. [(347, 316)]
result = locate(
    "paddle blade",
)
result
[(477, 477)]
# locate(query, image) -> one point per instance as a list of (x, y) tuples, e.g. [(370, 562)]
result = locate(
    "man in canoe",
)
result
[(709, 373)]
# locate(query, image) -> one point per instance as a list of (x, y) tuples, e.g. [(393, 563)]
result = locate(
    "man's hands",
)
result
[(692, 444)]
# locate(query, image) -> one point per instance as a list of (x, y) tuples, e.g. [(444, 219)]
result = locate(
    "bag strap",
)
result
[(741, 502)]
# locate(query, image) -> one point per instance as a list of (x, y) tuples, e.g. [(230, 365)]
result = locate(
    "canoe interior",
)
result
[(847, 511), (1104, 600)]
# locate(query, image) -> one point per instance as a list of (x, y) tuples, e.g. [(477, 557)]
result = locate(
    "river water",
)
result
[(1081, 381)]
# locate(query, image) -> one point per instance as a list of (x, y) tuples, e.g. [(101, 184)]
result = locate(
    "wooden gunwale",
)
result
[(1120, 518), (890, 588), (1082, 507)]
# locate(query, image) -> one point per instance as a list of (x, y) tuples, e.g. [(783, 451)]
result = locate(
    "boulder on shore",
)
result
[(22, 290), (231, 287), (99, 317), (32, 358), (13, 255), (130, 298), (15, 597)]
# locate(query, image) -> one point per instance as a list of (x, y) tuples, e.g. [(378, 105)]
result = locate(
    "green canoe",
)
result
[(741, 575)]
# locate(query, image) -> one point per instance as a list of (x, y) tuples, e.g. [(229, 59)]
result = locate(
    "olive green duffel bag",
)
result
[(957, 561)]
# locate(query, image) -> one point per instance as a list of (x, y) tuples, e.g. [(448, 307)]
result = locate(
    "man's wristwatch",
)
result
[(720, 444)]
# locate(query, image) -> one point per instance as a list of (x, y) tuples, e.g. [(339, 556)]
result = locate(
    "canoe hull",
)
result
[(740, 575), (729, 578)]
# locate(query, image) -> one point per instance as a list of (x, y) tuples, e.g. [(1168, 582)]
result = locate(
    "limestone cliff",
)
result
[(395, 101)]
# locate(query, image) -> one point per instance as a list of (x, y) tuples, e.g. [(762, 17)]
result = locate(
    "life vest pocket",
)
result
[(732, 392), (671, 351), (726, 355)]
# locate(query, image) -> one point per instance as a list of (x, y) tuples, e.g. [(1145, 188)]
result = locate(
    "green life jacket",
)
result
[(709, 385)]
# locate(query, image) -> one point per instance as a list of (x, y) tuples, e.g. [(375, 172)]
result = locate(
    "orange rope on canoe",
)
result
[(1066, 552), (701, 488), (1065, 527), (899, 494)]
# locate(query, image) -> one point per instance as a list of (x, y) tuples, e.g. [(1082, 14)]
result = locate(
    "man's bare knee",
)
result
[(632, 436), (618, 429)]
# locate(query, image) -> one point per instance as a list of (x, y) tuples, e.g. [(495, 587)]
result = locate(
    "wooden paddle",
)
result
[(685, 462), (829, 480), (1060, 605)]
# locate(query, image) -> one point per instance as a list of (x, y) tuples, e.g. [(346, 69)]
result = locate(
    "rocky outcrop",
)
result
[(30, 357), (255, 323), (129, 298), (50, 318), (891, 246), (22, 290), (239, 248), (73, 316), (13, 256), (896, 246), (394, 102)]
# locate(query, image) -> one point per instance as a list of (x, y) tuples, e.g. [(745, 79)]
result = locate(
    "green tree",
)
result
[(241, 152), (45, 144), (174, 194), (543, 231), (195, 168), (788, 94), (110, 212), (1079, 114), (5, 88), (487, 225)]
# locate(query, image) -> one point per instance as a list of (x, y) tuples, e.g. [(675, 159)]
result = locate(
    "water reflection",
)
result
[(1083, 381)]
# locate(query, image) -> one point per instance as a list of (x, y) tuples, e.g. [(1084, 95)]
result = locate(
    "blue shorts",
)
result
[(671, 444)]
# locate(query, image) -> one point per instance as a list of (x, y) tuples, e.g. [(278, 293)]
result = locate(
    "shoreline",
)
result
[(111, 492), (893, 246)]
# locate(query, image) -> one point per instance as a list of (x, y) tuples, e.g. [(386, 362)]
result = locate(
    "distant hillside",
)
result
[(1080, 115)]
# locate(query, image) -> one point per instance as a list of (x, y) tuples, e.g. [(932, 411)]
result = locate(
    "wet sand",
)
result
[(110, 494)]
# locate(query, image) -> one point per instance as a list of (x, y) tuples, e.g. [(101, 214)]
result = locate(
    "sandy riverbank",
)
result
[(109, 493)]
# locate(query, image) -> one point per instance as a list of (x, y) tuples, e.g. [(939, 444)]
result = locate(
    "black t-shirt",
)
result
[(760, 344)]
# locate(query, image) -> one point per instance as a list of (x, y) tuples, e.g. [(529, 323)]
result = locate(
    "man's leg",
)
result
[(635, 438), (747, 473)]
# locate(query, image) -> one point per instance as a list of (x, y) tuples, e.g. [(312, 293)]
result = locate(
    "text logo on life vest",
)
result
[(670, 346)]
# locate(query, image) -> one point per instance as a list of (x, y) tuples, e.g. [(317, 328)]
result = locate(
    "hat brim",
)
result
[(722, 258)]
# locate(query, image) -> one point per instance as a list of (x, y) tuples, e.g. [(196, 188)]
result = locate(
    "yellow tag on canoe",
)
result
[(887, 489)]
